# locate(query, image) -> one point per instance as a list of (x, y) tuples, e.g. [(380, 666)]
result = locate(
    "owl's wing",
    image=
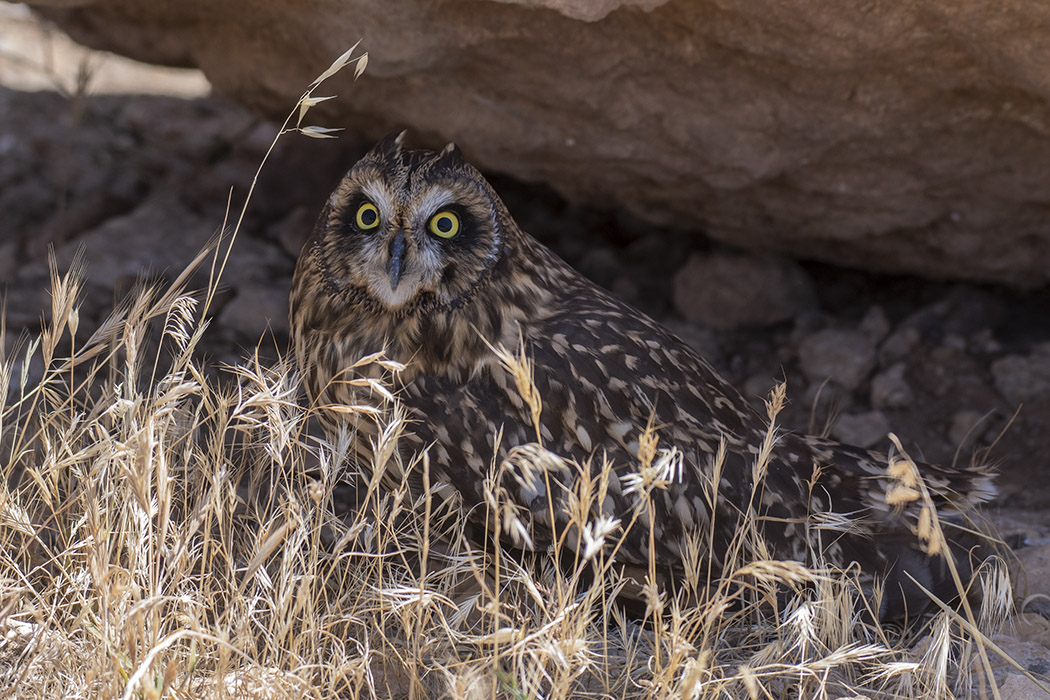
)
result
[(604, 373)]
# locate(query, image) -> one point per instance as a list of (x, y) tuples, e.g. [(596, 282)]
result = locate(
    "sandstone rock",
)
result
[(862, 429), (899, 345), (757, 387), (702, 340), (889, 389), (8, 259), (1022, 378), (845, 357), (293, 230), (909, 137), (985, 342), (158, 237), (258, 309), (1026, 640), (1018, 687), (825, 400), (1034, 578), (966, 427), (725, 290), (875, 324)]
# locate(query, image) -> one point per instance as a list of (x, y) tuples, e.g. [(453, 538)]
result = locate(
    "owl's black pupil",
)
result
[(444, 224), (368, 217)]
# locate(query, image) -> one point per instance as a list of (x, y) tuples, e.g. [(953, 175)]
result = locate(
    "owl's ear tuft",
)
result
[(449, 157), (389, 148)]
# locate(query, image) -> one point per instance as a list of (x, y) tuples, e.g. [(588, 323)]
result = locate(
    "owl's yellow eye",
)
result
[(444, 224), (367, 216)]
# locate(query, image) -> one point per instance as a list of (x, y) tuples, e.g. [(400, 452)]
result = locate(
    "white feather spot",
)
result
[(584, 438), (618, 430)]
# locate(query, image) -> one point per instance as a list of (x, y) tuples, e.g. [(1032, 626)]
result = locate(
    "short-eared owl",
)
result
[(415, 256)]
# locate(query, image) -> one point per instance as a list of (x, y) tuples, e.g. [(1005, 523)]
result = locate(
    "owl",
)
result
[(523, 378)]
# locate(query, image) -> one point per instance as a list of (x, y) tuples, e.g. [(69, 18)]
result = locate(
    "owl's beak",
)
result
[(397, 259)]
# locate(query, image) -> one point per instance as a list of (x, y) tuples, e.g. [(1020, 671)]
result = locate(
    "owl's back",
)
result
[(606, 372)]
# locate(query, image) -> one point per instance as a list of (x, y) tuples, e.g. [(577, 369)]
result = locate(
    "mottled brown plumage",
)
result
[(382, 274)]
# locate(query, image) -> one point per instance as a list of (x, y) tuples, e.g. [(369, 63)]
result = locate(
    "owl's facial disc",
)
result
[(394, 268), (398, 244), (411, 230)]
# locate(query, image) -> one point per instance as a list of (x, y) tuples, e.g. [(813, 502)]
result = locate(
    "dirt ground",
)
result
[(958, 371)]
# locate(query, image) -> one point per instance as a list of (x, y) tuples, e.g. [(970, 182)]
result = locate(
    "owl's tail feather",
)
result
[(910, 516), (877, 476)]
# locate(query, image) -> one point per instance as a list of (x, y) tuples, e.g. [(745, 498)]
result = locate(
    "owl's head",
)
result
[(408, 229)]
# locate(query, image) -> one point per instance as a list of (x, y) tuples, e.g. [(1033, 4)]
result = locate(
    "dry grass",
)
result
[(167, 530)]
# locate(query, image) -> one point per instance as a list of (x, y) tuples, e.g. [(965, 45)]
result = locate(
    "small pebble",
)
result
[(965, 428), (861, 429), (899, 345), (845, 357), (1022, 377), (875, 325), (889, 389)]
